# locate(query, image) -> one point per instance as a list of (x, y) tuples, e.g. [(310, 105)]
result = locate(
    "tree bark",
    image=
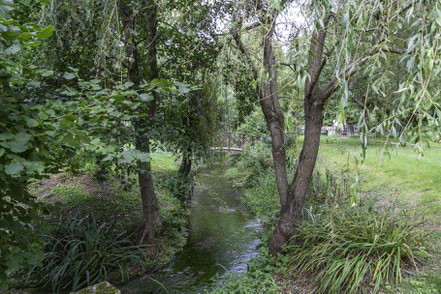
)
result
[(273, 114), (150, 204), (185, 167), (291, 210)]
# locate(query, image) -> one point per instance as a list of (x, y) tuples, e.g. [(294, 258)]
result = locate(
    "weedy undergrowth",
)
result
[(354, 247), (79, 252)]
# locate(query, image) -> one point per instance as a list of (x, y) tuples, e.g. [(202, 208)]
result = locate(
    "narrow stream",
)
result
[(223, 235)]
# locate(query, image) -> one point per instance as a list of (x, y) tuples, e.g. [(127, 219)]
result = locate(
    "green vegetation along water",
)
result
[(223, 236)]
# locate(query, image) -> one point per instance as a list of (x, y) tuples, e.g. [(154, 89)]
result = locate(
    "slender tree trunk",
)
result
[(185, 167), (150, 205), (291, 195)]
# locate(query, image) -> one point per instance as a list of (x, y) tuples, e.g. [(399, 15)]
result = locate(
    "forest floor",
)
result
[(117, 200)]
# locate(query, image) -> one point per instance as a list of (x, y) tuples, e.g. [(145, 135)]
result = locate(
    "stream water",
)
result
[(223, 236)]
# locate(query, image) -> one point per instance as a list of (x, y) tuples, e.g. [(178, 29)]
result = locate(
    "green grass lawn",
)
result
[(164, 162), (391, 171)]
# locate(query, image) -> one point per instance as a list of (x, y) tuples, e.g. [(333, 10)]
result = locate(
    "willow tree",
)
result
[(341, 37)]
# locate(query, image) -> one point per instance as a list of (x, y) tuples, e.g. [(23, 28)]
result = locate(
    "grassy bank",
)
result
[(84, 207), (398, 179)]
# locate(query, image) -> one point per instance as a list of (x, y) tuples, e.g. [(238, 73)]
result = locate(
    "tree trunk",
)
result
[(291, 212), (150, 205), (291, 195), (274, 117), (291, 209), (185, 167)]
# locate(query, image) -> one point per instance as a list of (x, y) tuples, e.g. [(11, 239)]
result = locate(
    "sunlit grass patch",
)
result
[(164, 162)]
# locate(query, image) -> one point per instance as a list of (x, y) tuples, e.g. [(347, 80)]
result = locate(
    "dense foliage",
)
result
[(99, 86), (351, 248), (79, 251)]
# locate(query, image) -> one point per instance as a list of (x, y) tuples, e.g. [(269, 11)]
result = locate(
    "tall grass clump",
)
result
[(79, 252), (351, 248)]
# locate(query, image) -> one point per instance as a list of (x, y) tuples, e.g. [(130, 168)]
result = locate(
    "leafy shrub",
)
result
[(352, 247), (251, 164), (254, 124), (263, 199), (80, 252), (257, 279), (177, 185)]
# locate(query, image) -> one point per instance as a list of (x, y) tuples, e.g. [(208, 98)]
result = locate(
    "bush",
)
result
[(257, 279), (80, 252), (251, 164), (263, 199), (177, 185), (352, 247)]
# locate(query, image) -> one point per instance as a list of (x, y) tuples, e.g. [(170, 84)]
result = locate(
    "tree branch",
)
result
[(352, 68)]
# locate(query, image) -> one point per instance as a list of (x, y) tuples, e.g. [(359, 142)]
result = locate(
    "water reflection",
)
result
[(223, 235)]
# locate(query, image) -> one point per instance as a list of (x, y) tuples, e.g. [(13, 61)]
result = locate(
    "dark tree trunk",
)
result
[(185, 167), (150, 205), (291, 212), (291, 195)]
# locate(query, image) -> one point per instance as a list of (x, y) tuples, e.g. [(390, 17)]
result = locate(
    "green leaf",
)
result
[(115, 113), (401, 90), (5, 7), (46, 33), (438, 17), (127, 85), (20, 143), (26, 36), (13, 168), (2, 151), (146, 97), (31, 123), (45, 73), (68, 76), (183, 88), (66, 124), (36, 167), (127, 157), (143, 157), (34, 83), (13, 49)]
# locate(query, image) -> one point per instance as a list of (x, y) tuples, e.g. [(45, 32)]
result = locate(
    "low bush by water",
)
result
[(80, 251), (348, 248)]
